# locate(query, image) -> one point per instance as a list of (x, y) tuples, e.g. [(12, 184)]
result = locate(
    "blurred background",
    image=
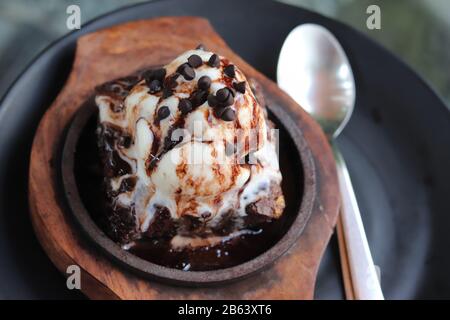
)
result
[(416, 30)]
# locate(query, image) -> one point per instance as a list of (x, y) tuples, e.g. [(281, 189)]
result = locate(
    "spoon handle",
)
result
[(363, 275)]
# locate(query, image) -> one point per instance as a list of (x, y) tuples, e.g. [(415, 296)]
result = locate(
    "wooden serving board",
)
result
[(117, 52)]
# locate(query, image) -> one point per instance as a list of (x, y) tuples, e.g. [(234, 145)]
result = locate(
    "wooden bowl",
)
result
[(297, 167), (119, 51)]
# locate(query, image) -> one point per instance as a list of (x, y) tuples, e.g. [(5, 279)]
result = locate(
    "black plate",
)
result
[(397, 146)]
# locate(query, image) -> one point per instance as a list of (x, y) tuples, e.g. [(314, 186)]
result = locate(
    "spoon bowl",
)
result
[(323, 82)]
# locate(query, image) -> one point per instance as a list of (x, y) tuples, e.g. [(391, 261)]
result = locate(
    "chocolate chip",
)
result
[(187, 72), (200, 47), (214, 61), (185, 106), (182, 66), (224, 97), (204, 83), (199, 98), (229, 101), (148, 75), (153, 74), (229, 71), (228, 114), (239, 86), (222, 94), (159, 74), (195, 61), (154, 86), (163, 112), (212, 100), (171, 81)]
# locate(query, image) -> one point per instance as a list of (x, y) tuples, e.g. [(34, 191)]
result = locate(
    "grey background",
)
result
[(416, 30)]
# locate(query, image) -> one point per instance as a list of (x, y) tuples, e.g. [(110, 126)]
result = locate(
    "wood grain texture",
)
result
[(119, 51)]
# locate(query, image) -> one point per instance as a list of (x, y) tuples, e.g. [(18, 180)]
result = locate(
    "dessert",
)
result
[(188, 156)]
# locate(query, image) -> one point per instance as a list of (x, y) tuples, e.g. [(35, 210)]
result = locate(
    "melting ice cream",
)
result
[(187, 152)]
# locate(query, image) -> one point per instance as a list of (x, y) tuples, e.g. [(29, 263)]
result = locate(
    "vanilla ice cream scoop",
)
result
[(188, 140)]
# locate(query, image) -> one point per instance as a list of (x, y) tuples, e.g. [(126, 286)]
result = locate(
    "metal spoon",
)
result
[(315, 71)]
